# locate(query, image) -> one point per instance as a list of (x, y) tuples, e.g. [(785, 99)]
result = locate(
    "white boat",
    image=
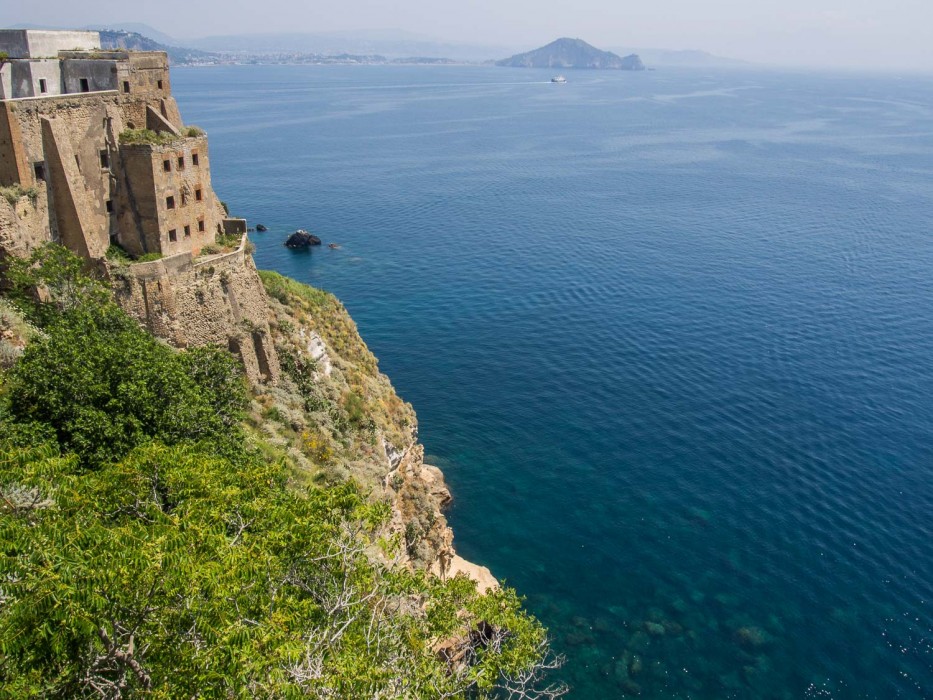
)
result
[(558, 79)]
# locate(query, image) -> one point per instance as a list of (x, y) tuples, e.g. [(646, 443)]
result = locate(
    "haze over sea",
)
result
[(669, 335)]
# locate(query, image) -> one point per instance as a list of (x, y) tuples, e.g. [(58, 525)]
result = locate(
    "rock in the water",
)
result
[(654, 629), (751, 637), (302, 239), (261, 228)]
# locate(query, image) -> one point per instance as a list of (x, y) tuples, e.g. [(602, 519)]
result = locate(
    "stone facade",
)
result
[(101, 156), (217, 299)]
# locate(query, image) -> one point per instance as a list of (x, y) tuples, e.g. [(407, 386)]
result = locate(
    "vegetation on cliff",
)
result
[(156, 545)]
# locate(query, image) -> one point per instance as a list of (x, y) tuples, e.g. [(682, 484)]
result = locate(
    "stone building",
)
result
[(94, 154)]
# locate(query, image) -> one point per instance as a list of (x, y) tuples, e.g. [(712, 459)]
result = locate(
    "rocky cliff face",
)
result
[(572, 53), (335, 416)]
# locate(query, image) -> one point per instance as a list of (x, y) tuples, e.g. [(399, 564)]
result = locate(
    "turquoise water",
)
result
[(669, 335)]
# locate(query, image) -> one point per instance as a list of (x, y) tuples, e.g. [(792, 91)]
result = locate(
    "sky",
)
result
[(837, 33)]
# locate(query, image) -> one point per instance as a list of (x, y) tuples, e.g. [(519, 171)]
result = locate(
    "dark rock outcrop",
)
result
[(261, 228), (302, 239), (572, 53)]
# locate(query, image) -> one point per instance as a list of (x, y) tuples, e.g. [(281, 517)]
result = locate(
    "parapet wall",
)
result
[(218, 300)]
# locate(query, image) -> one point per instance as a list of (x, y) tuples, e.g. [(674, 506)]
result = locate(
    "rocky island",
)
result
[(207, 487), (572, 54)]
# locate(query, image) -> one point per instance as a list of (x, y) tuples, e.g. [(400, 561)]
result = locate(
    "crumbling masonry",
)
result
[(93, 153)]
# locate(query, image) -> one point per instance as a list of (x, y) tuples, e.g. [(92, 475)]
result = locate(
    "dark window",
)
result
[(181, 162), (126, 86), (104, 159), (187, 232), (85, 85), (201, 225), (173, 235), (43, 85), (159, 83), (194, 159), (169, 202), (39, 169), (197, 195), (167, 165), (110, 206)]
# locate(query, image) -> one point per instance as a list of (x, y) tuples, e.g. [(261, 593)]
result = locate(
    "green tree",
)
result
[(147, 551)]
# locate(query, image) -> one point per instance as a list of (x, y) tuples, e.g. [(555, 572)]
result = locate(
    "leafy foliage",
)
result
[(15, 192), (148, 552), (147, 137), (106, 386)]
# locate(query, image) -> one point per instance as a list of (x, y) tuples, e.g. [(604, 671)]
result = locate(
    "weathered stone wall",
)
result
[(42, 43), (6, 80), (91, 189), (103, 193), (25, 224), (14, 165), (13, 42), (88, 75), (64, 138), (168, 191), (218, 300), (47, 43)]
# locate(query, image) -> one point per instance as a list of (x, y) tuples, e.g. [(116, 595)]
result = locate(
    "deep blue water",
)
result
[(669, 335)]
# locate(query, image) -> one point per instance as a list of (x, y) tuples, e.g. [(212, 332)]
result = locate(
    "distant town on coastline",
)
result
[(362, 48)]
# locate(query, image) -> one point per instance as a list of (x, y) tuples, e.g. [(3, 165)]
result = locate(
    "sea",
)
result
[(668, 334)]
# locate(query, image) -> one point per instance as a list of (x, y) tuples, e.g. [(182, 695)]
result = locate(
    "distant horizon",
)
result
[(181, 35)]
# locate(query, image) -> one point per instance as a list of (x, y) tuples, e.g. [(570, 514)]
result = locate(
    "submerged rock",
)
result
[(751, 637), (302, 239), (654, 629), (261, 228)]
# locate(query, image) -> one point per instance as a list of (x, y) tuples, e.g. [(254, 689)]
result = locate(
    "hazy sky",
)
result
[(890, 33)]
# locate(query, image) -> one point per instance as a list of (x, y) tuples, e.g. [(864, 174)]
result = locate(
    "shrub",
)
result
[(192, 130), (149, 257), (104, 384), (16, 192), (147, 136), (117, 254)]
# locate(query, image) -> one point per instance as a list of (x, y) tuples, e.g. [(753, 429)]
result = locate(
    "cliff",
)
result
[(335, 416), (572, 53), (248, 505), (171, 531)]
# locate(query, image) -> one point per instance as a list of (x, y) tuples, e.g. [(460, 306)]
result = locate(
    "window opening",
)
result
[(169, 202), (85, 85)]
